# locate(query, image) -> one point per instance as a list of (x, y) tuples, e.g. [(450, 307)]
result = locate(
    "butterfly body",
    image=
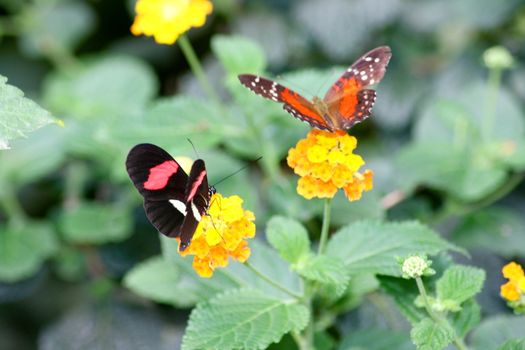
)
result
[(174, 201), (347, 102)]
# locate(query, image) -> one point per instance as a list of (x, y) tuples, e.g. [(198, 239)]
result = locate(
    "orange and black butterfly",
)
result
[(347, 102)]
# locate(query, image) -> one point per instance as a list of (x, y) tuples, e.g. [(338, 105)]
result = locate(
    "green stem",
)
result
[(196, 68), (326, 226), (269, 163), (492, 101), (12, 207), (458, 342), (272, 282)]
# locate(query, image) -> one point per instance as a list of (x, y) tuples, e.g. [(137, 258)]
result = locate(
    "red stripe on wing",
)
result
[(159, 175), (195, 185)]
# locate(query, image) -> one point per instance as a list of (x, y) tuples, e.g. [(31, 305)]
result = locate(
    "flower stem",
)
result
[(491, 102), (272, 282), (326, 226), (12, 207), (196, 68), (458, 342)]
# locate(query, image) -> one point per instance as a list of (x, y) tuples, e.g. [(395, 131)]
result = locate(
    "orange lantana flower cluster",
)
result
[(325, 162), (221, 234), (514, 289), (166, 20)]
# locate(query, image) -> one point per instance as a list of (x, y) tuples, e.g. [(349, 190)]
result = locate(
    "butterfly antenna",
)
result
[(238, 171), (194, 149)]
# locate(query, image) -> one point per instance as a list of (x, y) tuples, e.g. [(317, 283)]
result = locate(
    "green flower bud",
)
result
[(498, 57)]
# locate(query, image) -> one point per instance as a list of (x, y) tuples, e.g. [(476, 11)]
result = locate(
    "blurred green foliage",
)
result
[(446, 143)]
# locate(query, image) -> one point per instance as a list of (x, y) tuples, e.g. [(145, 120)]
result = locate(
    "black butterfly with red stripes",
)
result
[(174, 202)]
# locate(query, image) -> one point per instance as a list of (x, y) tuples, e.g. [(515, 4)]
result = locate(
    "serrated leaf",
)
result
[(18, 114), (104, 89), (95, 223), (238, 54), (428, 335), (289, 237), (372, 246), (494, 331), (459, 283), (245, 319), (24, 249), (328, 270), (514, 344), (468, 318), (404, 292), (154, 279), (499, 230), (376, 339)]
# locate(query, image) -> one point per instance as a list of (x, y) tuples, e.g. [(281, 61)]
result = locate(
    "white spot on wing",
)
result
[(180, 206), (195, 212)]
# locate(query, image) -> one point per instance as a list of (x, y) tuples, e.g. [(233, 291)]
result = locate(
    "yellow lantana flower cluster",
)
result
[(514, 289), (221, 234), (325, 162), (166, 20)]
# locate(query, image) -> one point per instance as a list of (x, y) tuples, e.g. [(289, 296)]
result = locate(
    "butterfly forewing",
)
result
[(368, 70), (295, 104), (155, 174)]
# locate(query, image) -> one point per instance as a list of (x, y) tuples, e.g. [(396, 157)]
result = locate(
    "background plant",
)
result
[(445, 143)]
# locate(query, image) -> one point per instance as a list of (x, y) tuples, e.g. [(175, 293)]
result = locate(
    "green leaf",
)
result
[(372, 246), (47, 21), (358, 287), (18, 114), (464, 174), (455, 121), (268, 262), (115, 326), (326, 269), (468, 318), (494, 331), (404, 292), (428, 335), (191, 288), (289, 237), (155, 279), (33, 158), (376, 339), (245, 319), (515, 344), (238, 54), (176, 118), (105, 89), (24, 249), (459, 283), (95, 223), (499, 230)]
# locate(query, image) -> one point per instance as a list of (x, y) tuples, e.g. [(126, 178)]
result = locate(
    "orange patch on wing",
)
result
[(348, 102), (301, 105)]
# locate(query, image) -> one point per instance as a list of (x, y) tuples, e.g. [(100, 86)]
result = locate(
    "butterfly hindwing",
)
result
[(165, 217)]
